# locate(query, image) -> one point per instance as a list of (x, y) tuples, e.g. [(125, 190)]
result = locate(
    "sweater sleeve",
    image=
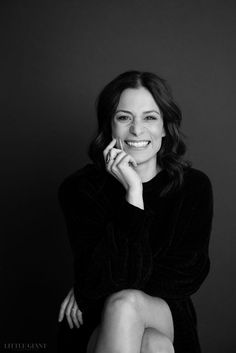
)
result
[(105, 249), (184, 266)]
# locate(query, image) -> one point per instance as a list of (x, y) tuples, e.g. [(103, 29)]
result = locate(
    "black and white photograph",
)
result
[(118, 176)]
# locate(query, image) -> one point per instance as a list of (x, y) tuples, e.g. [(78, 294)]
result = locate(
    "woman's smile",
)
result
[(137, 145), (139, 125)]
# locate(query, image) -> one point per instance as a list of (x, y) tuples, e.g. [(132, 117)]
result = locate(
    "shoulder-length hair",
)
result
[(170, 155)]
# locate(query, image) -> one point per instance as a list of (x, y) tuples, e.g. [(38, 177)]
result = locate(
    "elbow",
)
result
[(196, 282)]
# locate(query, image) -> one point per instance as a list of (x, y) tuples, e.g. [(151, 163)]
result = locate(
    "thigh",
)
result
[(156, 314), (155, 341), (153, 311), (92, 340)]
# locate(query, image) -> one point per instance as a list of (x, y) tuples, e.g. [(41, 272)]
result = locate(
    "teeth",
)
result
[(137, 144)]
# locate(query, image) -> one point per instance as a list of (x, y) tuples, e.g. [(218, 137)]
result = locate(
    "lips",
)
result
[(137, 143), (137, 140)]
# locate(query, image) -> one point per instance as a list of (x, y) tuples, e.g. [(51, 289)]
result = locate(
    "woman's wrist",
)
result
[(135, 197)]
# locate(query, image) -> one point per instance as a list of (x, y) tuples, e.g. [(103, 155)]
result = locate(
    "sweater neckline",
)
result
[(152, 183)]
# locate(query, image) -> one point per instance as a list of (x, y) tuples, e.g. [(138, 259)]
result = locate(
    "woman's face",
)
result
[(138, 118)]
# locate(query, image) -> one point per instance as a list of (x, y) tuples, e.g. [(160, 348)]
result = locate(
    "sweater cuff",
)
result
[(82, 302)]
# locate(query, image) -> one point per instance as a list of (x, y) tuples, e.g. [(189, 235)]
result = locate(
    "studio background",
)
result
[(55, 59)]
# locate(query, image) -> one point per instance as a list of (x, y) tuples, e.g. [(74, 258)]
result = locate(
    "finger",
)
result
[(74, 315), (80, 316), (129, 159), (125, 159), (116, 160), (64, 305), (111, 165), (121, 145), (74, 309), (111, 145), (114, 152), (68, 313)]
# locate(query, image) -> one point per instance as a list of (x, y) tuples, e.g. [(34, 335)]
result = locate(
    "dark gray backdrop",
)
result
[(56, 57)]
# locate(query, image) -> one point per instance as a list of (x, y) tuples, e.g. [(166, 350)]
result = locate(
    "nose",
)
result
[(136, 128)]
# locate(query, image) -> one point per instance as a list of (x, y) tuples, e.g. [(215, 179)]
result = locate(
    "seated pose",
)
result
[(139, 219)]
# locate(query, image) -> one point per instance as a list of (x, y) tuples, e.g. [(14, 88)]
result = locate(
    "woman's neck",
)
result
[(147, 172)]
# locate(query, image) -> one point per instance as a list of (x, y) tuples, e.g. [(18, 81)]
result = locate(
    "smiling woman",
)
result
[(142, 102), (141, 132), (139, 219)]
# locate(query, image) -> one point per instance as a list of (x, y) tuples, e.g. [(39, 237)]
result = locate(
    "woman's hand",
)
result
[(70, 308), (122, 166)]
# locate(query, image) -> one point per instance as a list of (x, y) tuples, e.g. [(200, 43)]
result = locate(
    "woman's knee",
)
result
[(127, 300), (127, 296), (155, 342)]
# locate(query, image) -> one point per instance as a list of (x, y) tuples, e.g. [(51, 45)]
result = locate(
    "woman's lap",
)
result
[(76, 339)]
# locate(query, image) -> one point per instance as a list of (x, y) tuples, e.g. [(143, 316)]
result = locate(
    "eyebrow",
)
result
[(148, 111)]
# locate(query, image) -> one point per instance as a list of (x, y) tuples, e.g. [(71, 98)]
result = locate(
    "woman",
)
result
[(139, 220)]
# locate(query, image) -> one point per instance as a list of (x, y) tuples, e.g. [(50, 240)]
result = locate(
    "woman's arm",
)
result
[(183, 268), (105, 249)]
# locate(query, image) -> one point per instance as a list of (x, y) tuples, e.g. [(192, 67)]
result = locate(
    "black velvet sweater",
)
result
[(162, 250)]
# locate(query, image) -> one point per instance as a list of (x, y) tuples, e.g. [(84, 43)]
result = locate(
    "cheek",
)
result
[(114, 129), (157, 134), (118, 129)]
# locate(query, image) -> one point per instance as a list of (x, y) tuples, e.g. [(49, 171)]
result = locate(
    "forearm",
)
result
[(135, 197)]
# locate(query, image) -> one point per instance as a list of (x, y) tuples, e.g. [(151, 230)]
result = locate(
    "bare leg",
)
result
[(121, 329), (133, 322), (152, 341)]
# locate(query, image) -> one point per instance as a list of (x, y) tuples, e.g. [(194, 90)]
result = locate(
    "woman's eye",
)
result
[(126, 117), (151, 117), (122, 117)]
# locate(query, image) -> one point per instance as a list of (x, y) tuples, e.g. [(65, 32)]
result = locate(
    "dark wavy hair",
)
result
[(170, 155)]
